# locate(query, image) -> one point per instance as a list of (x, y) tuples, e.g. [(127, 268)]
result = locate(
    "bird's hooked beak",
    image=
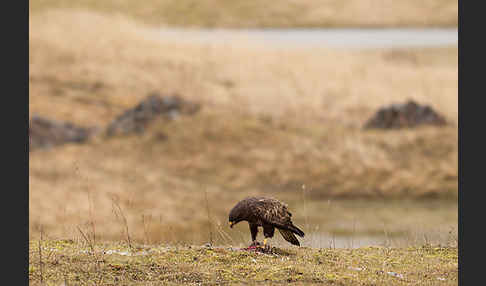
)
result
[(231, 223)]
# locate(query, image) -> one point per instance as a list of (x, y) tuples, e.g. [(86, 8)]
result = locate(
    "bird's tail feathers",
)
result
[(289, 236), (296, 230)]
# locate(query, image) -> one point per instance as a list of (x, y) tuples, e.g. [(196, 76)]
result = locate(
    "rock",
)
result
[(406, 115), (136, 119), (47, 133)]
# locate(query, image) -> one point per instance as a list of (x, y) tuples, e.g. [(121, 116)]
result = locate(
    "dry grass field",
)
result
[(286, 13), (272, 120), (67, 262)]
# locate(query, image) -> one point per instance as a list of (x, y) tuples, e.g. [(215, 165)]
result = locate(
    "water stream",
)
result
[(337, 38)]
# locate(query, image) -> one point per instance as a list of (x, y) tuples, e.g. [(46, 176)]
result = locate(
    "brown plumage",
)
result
[(268, 213)]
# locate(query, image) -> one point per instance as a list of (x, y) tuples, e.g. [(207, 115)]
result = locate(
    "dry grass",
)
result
[(286, 13), (73, 263), (272, 120)]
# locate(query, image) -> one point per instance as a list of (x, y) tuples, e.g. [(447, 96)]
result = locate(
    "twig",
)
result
[(90, 203), (40, 258), (332, 242), (124, 221), (93, 229), (305, 208), (96, 260), (209, 218), (147, 241), (425, 239), (98, 266), (354, 232), (387, 242), (87, 239)]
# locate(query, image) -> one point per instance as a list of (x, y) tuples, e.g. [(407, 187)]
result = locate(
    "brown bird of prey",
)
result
[(268, 213)]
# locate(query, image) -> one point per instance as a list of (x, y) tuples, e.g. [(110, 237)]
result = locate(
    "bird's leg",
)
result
[(265, 245), (254, 232), (268, 231)]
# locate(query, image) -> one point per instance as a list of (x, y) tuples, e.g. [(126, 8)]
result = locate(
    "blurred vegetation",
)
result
[(286, 13), (267, 126)]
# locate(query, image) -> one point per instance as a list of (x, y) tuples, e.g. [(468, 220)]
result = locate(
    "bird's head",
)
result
[(236, 215)]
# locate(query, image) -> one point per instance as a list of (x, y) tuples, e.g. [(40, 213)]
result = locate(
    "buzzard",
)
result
[(268, 213)]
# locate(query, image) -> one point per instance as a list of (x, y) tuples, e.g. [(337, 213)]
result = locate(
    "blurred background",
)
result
[(152, 119)]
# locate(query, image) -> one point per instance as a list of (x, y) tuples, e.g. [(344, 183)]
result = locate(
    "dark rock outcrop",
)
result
[(46, 133), (405, 115), (136, 119)]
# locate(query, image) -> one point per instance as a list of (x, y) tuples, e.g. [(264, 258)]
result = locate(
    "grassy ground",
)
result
[(286, 13), (272, 121), (75, 262)]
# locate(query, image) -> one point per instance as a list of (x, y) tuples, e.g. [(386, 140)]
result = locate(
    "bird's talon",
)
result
[(255, 244)]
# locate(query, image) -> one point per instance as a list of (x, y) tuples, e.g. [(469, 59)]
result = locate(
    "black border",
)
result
[(460, 101), (22, 67), (463, 95), (15, 121), (470, 76)]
